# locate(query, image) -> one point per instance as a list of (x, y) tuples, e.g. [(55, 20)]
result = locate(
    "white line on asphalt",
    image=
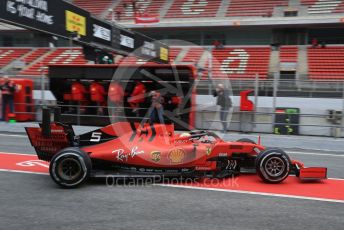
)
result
[(24, 154), (19, 171), (13, 135), (211, 189), (252, 193), (330, 178), (316, 154)]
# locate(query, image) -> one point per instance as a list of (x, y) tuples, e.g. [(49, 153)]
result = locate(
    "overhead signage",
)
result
[(60, 18), (101, 32), (152, 50), (75, 23), (149, 49), (164, 54), (127, 41), (51, 16)]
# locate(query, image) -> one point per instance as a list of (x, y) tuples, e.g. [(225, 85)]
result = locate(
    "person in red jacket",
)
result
[(116, 95), (97, 95), (8, 89), (137, 97), (78, 91)]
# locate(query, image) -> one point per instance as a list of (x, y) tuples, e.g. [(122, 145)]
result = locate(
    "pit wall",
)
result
[(313, 118)]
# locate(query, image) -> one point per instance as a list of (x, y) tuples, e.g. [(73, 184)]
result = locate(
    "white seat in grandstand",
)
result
[(321, 6), (193, 9)]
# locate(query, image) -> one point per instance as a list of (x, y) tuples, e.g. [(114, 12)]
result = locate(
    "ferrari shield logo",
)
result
[(176, 156), (156, 156), (208, 151)]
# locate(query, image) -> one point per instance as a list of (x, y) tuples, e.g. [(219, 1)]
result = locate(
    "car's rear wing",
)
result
[(50, 136)]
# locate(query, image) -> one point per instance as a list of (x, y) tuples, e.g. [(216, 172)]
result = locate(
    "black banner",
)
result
[(63, 19), (51, 16)]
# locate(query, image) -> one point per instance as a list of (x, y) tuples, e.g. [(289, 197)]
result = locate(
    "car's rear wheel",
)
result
[(70, 167), (273, 165)]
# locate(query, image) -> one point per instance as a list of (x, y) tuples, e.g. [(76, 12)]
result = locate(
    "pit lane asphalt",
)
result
[(35, 202)]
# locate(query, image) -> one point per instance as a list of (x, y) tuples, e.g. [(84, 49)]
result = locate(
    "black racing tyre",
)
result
[(70, 167), (273, 165), (246, 140)]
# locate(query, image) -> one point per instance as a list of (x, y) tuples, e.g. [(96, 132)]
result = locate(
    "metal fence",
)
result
[(296, 88), (254, 124)]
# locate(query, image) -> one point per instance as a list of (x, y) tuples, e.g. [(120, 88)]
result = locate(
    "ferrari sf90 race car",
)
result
[(144, 150)]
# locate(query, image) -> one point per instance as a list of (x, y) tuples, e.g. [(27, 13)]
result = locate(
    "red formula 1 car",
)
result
[(136, 150)]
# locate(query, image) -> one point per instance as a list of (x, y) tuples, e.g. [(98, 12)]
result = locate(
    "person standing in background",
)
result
[(315, 43), (156, 110), (225, 103), (8, 89), (116, 95), (137, 97)]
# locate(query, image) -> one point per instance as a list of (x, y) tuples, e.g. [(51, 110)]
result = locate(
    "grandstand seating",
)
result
[(95, 7), (241, 62), (7, 55), (193, 55), (174, 52), (58, 56), (321, 6), (151, 7), (340, 8), (193, 9), (34, 55), (326, 63), (241, 8), (204, 8), (288, 53)]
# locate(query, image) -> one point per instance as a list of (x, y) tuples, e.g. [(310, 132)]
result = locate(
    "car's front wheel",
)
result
[(273, 165), (70, 167)]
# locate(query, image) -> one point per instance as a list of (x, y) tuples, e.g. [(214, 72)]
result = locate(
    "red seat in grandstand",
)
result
[(204, 70), (34, 55), (288, 54), (239, 8), (94, 7), (127, 11), (174, 52), (326, 63), (193, 9), (193, 55), (339, 8), (58, 56), (241, 62), (7, 55)]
